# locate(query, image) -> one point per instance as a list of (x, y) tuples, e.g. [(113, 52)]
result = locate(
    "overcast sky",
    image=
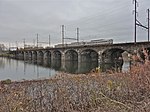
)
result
[(97, 19)]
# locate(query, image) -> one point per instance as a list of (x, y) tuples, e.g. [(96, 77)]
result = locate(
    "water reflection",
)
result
[(29, 69), (71, 66), (2, 64), (106, 67), (75, 67), (87, 66), (56, 65)]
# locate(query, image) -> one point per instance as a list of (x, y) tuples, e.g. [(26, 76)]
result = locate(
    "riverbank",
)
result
[(5, 54), (93, 92)]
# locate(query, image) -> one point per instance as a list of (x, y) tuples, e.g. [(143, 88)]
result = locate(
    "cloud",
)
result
[(100, 18)]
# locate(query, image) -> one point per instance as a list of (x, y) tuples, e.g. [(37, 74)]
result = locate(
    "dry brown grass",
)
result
[(118, 92)]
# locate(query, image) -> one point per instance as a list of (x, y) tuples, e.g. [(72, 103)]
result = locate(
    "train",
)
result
[(92, 42)]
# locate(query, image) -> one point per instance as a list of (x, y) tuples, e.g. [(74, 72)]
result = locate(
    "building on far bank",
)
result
[(2, 48)]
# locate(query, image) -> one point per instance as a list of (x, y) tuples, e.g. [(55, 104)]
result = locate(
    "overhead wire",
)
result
[(114, 28)]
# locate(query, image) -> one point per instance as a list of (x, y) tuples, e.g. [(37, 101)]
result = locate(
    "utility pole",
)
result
[(63, 34), (16, 44), (9, 46), (148, 23), (37, 39), (138, 23), (33, 42), (135, 17), (49, 40), (24, 41), (77, 34)]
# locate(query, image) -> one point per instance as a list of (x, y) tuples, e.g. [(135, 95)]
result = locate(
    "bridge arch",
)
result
[(56, 55), (26, 55), (71, 55), (89, 55), (34, 55), (30, 54), (40, 55), (112, 52), (21, 55), (47, 55), (114, 58)]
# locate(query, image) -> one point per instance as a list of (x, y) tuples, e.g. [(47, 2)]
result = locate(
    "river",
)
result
[(28, 70)]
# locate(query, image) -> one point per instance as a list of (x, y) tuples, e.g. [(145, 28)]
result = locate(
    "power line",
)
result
[(37, 40), (102, 13), (148, 23), (49, 40), (69, 38), (63, 34), (24, 42), (77, 34), (138, 23)]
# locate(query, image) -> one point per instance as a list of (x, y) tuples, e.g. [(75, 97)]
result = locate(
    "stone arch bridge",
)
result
[(101, 53)]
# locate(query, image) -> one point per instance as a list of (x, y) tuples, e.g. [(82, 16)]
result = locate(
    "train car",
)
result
[(76, 44), (100, 41), (60, 45), (92, 42)]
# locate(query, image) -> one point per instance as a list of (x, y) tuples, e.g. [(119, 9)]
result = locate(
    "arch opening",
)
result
[(89, 55), (40, 55), (56, 55), (21, 55), (34, 55), (30, 55), (26, 55), (112, 59), (71, 55), (47, 55)]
